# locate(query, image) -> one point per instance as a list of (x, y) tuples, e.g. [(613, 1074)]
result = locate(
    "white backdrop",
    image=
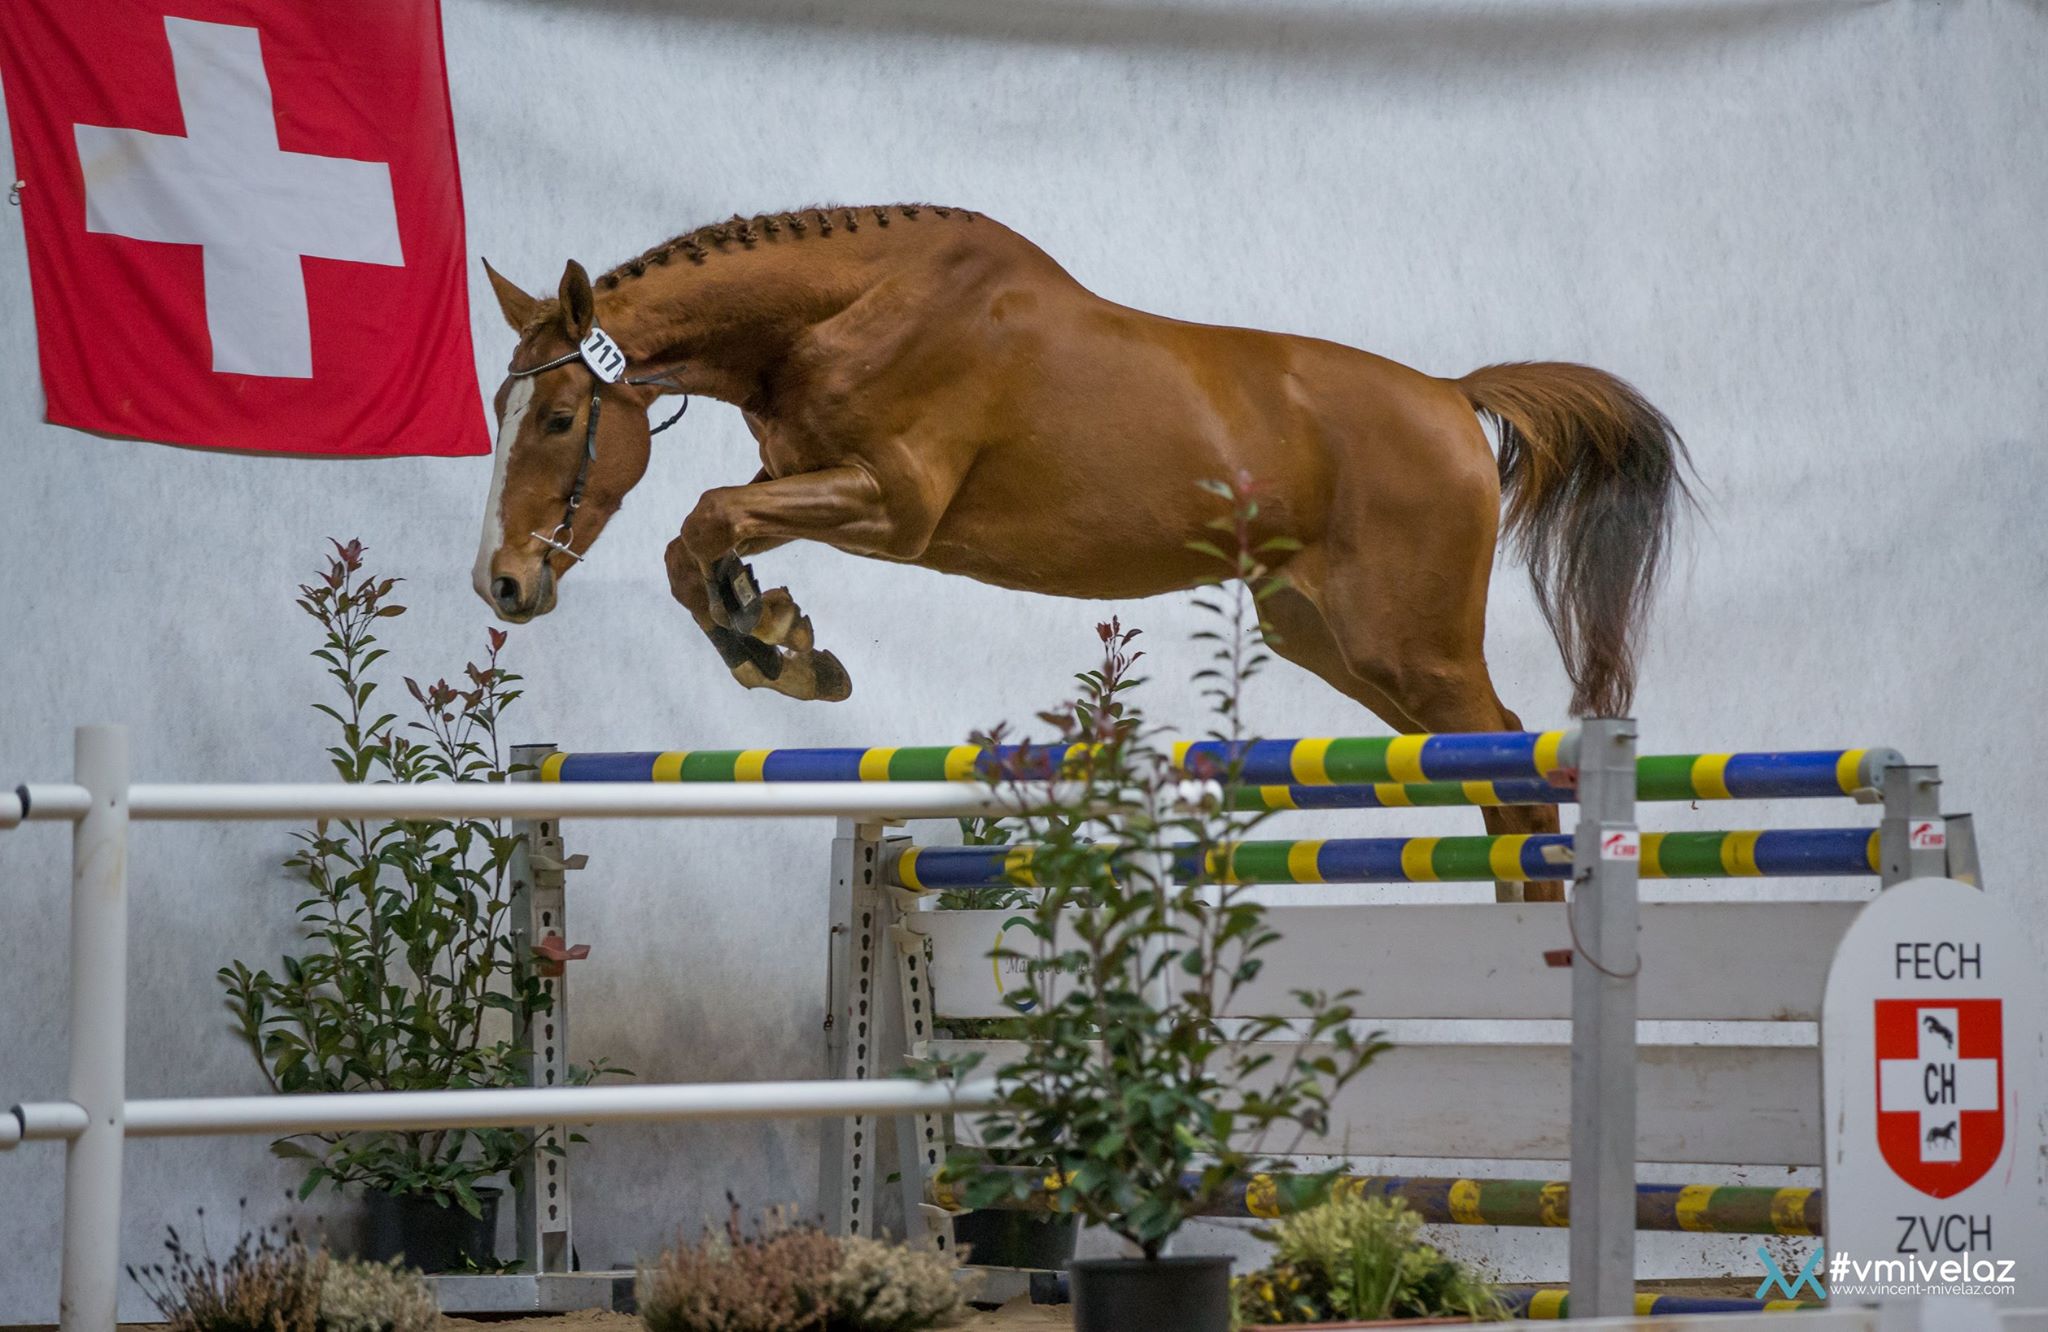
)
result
[(1811, 232)]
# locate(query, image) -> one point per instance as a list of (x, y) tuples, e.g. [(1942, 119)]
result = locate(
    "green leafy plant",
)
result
[(1363, 1258), (410, 978), (1134, 1097)]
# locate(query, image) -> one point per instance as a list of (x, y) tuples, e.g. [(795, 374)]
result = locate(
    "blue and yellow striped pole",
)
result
[(1505, 756), (1704, 1209), (1343, 773), (1539, 1303), (1789, 775), (1400, 758), (1551, 1302), (1772, 853)]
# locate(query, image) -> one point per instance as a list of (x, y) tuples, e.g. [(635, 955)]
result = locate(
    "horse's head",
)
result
[(573, 438)]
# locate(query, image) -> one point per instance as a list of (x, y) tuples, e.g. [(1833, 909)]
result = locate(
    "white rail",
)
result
[(63, 802), (506, 1107), (96, 1117)]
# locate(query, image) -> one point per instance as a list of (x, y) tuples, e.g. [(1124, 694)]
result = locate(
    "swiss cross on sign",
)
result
[(1940, 1090), (244, 223)]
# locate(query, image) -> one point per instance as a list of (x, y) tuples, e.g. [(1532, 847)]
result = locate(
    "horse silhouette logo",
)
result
[(1946, 1133), (1933, 1026)]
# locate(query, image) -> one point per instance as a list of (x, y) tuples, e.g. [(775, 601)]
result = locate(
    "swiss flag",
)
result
[(244, 222), (1940, 1090)]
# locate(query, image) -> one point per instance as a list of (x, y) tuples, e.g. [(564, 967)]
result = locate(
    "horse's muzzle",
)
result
[(519, 600)]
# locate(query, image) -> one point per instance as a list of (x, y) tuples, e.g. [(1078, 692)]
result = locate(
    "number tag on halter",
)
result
[(603, 356)]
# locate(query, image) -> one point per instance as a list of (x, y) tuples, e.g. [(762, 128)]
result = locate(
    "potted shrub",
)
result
[(1351, 1262), (410, 979), (1134, 1105)]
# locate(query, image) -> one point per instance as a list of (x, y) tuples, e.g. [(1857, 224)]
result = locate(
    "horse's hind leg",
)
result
[(1298, 634), (1303, 636), (1400, 582), (1443, 696)]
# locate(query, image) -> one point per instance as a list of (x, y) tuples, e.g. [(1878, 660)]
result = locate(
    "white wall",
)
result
[(1809, 231)]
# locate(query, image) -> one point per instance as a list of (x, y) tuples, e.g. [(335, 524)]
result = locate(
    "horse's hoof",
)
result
[(831, 680), (781, 623), (737, 650), (734, 591)]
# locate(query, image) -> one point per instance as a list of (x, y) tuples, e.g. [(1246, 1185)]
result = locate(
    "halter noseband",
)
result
[(608, 364)]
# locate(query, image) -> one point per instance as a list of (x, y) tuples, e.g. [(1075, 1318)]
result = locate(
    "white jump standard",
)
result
[(1735, 961), (1729, 960)]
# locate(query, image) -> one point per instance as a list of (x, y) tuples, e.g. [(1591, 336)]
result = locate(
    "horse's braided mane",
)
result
[(822, 219), (746, 232)]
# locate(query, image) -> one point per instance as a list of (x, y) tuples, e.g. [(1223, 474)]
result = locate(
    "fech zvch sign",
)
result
[(1933, 1075)]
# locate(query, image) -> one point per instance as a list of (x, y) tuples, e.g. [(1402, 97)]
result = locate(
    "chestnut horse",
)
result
[(929, 387)]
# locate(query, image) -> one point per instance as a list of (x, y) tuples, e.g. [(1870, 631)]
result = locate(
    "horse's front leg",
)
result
[(763, 636), (753, 663), (736, 600)]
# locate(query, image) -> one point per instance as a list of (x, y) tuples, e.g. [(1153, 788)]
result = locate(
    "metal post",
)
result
[(846, 1166), (1913, 839), (1962, 850), (920, 1139), (540, 909), (99, 1034), (1606, 854)]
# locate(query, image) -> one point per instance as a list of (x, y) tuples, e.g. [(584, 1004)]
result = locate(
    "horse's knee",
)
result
[(686, 581), (708, 532), (1423, 684)]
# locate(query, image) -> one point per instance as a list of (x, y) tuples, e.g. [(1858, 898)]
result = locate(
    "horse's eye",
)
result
[(558, 424)]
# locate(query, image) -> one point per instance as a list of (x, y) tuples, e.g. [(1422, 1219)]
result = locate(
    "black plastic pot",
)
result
[(1136, 1295), (997, 1238), (428, 1236)]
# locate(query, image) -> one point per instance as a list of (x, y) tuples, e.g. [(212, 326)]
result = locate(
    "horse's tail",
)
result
[(1592, 477)]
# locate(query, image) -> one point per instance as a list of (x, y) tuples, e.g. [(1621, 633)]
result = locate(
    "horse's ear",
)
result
[(579, 306), (514, 304)]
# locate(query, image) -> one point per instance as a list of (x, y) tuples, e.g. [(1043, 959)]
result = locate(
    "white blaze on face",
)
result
[(517, 399)]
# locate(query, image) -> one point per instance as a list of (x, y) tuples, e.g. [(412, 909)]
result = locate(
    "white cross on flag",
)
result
[(1940, 1090), (244, 222)]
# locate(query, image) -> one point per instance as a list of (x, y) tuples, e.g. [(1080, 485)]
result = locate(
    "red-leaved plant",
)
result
[(410, 979)]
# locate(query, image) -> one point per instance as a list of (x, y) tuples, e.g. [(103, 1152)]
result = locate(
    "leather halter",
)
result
[(607, 364)]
